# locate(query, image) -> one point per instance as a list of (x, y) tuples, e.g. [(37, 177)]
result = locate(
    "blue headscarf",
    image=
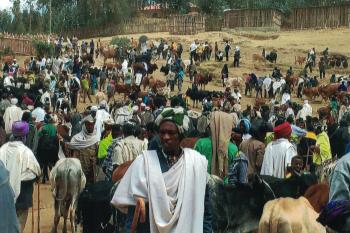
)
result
[(247, 125)]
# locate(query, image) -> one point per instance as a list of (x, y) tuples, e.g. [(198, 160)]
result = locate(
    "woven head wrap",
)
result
[(20, 128), (177, 115)]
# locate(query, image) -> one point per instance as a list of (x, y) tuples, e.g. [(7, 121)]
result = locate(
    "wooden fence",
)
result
[(190, 24), (254, 18), (134, 26), (318, 17), (19, 46), (213, 23)]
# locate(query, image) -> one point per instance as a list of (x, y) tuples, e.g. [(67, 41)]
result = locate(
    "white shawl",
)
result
[(176, 197), (278, 156), (83, 140), (12, 114), (21, 163)]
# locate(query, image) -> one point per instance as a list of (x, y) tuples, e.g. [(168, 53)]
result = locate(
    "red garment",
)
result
[(282, 131), (27, 101)]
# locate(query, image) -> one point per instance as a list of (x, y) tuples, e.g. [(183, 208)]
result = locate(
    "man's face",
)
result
[(93, 113), (169, 136), (90, 126), (297, 164)]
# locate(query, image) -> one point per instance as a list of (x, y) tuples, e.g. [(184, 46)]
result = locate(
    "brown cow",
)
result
[(138, 66), (145, 82), (328, 90), (311, 92), (258, 57), (300, 60), (107, 53), (110, 66), (153, 83), (202, 80), (259, 103), (292, 81), (289, 215), (318, 195), (123, 89)]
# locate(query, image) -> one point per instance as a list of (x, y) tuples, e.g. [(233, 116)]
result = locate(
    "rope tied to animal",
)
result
[(269, 188)]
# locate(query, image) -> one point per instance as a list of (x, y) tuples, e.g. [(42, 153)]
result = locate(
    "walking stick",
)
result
[(33, 219), (39, 207)]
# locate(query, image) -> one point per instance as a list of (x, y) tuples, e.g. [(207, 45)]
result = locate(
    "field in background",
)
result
[(287, 43)]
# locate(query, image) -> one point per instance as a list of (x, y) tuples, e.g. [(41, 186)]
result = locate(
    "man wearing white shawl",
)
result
[(84, 146), (101, 116), (305, 111), (171, 180), (12, 114), (23, 169)]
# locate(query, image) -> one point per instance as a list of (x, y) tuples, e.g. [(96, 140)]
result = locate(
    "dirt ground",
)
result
[(287, 43)]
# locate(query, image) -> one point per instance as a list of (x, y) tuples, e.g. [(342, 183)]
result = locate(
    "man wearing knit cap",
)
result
[(23, 169), (12, 114), (279, 153)]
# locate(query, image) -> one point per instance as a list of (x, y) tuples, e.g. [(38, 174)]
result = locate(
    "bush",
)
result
[(120, 41), (7, 51), (42, 48)]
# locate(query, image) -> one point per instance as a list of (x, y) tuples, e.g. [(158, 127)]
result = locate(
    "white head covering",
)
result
[(135, 108), (94, 108), (103, 103), (14, 101)]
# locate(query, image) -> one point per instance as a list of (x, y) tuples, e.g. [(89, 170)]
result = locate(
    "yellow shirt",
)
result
[(322, 140)]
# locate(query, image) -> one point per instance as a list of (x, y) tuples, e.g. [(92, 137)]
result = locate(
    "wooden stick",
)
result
[(38, 207), (33, 219)]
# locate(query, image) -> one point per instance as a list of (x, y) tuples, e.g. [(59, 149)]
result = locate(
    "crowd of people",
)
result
[(169, 148)]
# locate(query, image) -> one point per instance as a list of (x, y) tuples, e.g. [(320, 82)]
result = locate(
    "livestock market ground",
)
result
[(288, 45)]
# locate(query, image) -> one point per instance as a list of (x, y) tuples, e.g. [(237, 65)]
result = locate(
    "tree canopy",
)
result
[(32, 16)]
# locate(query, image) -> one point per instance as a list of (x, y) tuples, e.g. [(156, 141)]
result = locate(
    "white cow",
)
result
[(67, 182)]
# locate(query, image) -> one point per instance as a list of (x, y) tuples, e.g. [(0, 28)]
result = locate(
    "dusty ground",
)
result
[(288, 45)]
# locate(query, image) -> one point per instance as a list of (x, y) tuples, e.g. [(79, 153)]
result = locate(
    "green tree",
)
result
[(5, 21), (212, 7), (17, 21)]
